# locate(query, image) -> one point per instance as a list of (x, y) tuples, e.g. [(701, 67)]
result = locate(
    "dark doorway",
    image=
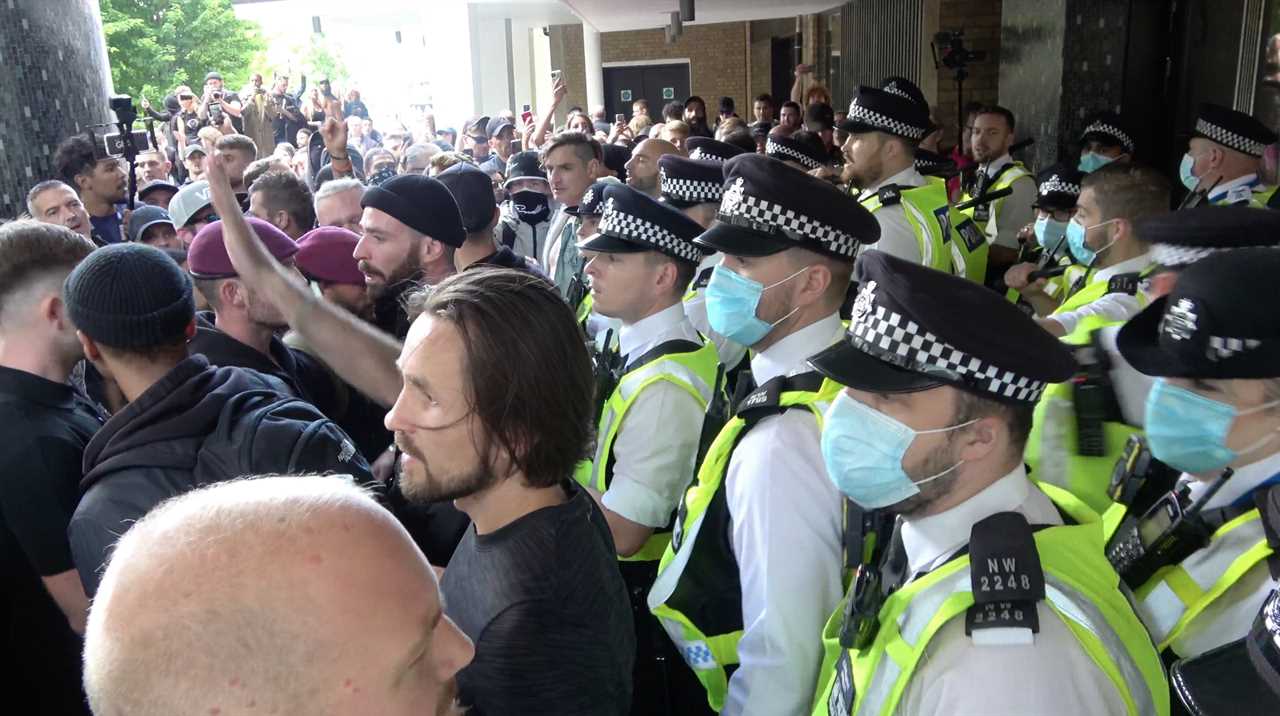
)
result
[(782, 69), (659, 84)]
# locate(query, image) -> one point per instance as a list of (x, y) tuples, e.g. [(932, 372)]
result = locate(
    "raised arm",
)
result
[(544, 127), (359, 353)]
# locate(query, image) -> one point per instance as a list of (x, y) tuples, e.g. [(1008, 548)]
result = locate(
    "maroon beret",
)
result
[(326, 254), (207, 255)]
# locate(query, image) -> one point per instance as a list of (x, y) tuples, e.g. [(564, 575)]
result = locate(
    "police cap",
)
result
[(810, 155), (1232, 129), (1219, 322), (1110, 129), (915, 328), (769, 207), (686, 182), (632, 221), (592, 201), (1058, 188), (1182, 238), (708, 149), (875, 110)]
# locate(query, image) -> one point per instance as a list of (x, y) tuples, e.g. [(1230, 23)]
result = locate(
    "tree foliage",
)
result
[(156, 45)]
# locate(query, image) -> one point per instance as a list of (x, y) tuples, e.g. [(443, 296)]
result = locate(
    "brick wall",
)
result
[(980, 20), (717, 56)]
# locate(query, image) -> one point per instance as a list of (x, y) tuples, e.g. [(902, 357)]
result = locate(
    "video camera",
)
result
[(954, 55)]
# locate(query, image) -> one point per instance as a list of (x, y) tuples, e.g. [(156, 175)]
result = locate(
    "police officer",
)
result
[(755, 567), (1224, 157), (587, 217), (1114, 392), (642, 261), (1058, 189), (986, 599), (1002, 218), (1214, 345), (915, 216), (1077, 438), (708, 149), (694, 186), (1105, 139)]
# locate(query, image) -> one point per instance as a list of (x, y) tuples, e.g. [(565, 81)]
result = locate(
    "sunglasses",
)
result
[(186, 96)]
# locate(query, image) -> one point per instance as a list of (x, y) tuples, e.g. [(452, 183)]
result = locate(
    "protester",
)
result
[(53, 202), (101, 182)]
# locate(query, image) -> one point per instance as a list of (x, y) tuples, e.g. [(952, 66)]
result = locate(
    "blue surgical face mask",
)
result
[(1092, 162), (732, 300), (863, 450), (1189, 180), (1076, 233), (1189, 432), (1049, 232)]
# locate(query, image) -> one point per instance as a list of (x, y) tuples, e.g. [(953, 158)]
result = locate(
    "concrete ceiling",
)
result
[(612, 15)]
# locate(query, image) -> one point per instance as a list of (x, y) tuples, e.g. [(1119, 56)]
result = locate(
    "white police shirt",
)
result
[(657, 442), (896, 237), (1050, 677), (786, 535)]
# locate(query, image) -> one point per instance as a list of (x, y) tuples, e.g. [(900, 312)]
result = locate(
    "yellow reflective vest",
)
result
[(1081, 589), (947, 239), (1051, 451), (697, 596), (693, 371)]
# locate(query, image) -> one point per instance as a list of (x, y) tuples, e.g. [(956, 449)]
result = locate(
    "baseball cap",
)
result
[(146, 216), (189, 200)]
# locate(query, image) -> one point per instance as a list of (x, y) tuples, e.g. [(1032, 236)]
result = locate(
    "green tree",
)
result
[(156, 45)]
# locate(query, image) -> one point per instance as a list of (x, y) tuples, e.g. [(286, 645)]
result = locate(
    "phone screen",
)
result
[(526, 116)]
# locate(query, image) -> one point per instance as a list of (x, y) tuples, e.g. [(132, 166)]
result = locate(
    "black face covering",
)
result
[(531, 206)]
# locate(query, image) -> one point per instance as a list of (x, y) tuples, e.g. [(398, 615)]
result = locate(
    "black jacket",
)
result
[(146, 453)]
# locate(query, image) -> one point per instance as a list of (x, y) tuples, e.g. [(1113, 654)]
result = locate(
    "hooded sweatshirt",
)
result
[(147, 452)]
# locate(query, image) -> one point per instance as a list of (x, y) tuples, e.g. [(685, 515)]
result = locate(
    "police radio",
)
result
[(1139, 480), (1167, 533)]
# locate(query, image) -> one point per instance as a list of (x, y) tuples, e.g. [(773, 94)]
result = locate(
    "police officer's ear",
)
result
[(981, 439)]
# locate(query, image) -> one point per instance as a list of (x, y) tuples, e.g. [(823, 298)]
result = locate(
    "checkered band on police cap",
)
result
[(617, 223), (1110, 130), (707, 156), (865, 115), (740, 208), (691, 190), (1228, 138), (780, 151), (1056, 185), (896, 339)]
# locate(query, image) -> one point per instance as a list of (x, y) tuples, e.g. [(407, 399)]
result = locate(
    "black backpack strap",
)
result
[(508, 236), (767, 399), (679, 345), (1005, 575)]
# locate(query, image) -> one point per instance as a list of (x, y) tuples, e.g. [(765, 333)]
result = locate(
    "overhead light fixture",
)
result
[(677, 27), (686, 10)]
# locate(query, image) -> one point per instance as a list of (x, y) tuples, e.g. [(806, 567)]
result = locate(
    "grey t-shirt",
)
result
[(545, 604)]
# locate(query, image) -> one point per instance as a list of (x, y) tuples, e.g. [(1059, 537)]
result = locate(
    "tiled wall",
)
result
[(53, 82)]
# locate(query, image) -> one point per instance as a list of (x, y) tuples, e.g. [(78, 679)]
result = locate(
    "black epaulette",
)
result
[(767, 399), (1005, 574), (890, 194), (1124, 283)]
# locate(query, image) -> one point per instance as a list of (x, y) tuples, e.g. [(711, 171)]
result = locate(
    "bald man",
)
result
[(642, 168), (285, 595)]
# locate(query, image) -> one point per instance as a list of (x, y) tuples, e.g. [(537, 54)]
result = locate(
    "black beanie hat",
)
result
[(473, 190), (421, 203), (130, 296)]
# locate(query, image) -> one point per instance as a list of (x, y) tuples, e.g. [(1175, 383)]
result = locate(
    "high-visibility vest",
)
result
[(1081, 588), (1255, 196), (693, 371), (1051, 450), (1178, 593), (985, 215), (697, 596), (947, 239)]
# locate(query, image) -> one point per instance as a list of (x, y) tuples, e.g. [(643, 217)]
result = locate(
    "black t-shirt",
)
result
[(189, 123), (47, 426), (544, 602)]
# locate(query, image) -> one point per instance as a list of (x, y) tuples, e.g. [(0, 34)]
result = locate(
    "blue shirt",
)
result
[(107, 228)]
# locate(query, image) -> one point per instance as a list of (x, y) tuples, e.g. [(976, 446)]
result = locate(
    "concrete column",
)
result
[(55, 79), (592, 66)]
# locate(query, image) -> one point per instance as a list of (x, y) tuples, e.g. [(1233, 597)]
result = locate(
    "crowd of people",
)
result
[(674, 414)]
